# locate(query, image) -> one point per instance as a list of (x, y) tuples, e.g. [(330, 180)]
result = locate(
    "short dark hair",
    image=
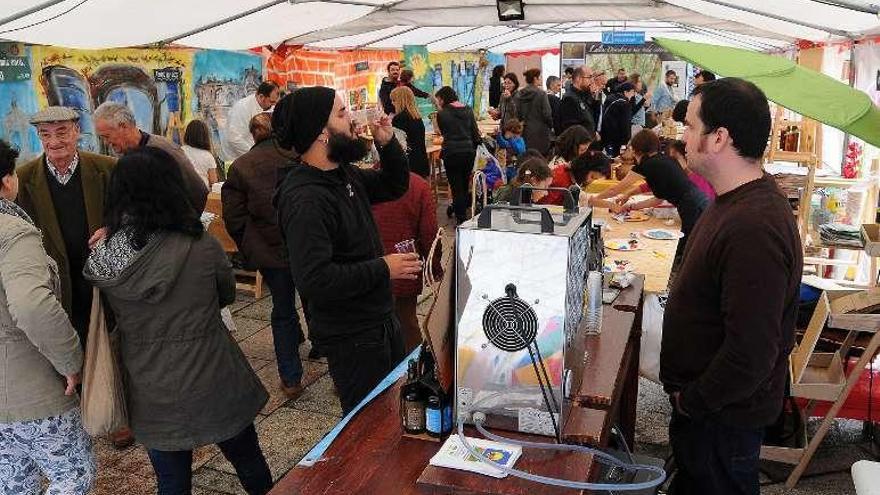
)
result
[(568, 142), (568, 70), (591, 161), (740, 107), (670, 72), (621, 70), (677, 145), (551, 80), (447, 94), (406, 75), (512, 77), (645, 142), (266, 87), (147, 194), (579, 72), (197, 135), (498, 71), (260, 126), (706, 76), (680, 111), (531, 75), (8, 155), (393, 62)]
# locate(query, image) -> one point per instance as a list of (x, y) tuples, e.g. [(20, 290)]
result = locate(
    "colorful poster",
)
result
[(416, 58), (18, 101), (219, 80)]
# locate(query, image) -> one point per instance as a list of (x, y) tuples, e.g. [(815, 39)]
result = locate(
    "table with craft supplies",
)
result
[(653, 258)]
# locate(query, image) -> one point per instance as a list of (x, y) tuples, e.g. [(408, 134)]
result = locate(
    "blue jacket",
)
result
[(516, 143)]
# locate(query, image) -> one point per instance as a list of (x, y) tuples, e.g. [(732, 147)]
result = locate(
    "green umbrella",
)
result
[(797, 88)]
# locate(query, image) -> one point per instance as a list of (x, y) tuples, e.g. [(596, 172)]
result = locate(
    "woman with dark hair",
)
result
[(572, 143), (495, 86), (197, 147), (667, 181), (41, 429), (534, 111), (187, 382), (582, 171), (532, 171), (507, 108), (459, 149)]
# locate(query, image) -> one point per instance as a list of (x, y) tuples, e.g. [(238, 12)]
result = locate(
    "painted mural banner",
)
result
[(645, 59), (417, 59), (14, 64)]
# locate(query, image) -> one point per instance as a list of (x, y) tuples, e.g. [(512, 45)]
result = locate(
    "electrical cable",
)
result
[(544, 392), (43, 21)]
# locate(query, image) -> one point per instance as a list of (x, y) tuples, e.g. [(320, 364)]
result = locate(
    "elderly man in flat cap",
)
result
[(336, 256), (63, 191), (116, 126)]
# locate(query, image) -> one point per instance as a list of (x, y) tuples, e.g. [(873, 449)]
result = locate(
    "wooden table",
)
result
[(654, 260), (371, 457)]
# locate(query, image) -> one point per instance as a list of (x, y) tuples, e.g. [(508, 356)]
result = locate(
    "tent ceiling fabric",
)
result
[(392, 23)]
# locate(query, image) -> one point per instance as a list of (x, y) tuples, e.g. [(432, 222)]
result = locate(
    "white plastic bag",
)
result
[(652, 336)]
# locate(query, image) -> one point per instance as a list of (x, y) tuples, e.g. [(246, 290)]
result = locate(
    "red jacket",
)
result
[(414, 216)]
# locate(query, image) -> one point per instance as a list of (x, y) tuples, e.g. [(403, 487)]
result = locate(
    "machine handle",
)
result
[(569, 196), (484, 221)]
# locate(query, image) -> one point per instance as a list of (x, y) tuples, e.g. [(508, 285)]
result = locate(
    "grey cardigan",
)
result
[(37, 342)]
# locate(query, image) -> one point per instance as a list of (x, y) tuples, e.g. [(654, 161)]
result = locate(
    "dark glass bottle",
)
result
[(434, 416), (412, 402)]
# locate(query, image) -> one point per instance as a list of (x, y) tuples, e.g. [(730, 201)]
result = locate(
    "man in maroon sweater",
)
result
[(730, 319)]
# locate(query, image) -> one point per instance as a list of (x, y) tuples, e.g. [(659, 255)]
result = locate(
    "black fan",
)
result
[(510, 323)]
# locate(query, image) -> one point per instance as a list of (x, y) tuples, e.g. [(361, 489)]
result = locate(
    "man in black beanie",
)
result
[(335, 254)]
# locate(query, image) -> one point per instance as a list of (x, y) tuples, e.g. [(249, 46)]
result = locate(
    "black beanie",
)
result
[(305, 116), (279, 120)]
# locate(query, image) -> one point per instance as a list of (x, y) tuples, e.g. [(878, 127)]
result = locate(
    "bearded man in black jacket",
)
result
[(335, 254)]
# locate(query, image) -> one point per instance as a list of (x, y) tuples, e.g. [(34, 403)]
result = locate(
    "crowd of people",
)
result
[(130, 228)]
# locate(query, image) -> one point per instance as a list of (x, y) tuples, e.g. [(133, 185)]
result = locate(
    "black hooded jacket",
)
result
[(333, 245)]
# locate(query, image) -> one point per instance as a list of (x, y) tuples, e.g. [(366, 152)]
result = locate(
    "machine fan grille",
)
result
[(510, 323)]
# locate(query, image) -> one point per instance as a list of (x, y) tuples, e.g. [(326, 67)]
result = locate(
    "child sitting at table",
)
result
[(510, 139), (533, 171), (582, 171)]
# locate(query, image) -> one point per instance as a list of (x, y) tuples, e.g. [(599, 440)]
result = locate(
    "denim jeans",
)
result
[(714, 458), (174, 468), (360, 361), (286, 329)]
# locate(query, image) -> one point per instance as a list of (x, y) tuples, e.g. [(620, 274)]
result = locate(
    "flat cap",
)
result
[(54, 114)]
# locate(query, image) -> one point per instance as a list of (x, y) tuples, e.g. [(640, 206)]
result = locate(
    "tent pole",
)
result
[(24, 13), (506, 33), (696, 30), (444, 38), (846, 4), (852, 83), (534, 32), (741, 8)]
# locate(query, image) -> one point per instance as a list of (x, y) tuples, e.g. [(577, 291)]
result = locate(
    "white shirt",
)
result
[(64, 178), (238, 139), (202, 161)]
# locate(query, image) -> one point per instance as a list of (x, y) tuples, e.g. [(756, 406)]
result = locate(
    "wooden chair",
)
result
[(251, 281)]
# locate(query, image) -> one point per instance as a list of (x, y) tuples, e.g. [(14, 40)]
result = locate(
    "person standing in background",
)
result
[(116, 126), (252, 222), (578, 105), (197, 147), (408, 119), (495, 86), (664, 95), (507, 107), (413, 216), (389, 82), (41, 430), (533, 110), (729, 323), (238, 140), (611, 85), (459, 149), (554, 91)]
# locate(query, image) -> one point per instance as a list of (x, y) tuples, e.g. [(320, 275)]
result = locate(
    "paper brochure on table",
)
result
[(454, 455)]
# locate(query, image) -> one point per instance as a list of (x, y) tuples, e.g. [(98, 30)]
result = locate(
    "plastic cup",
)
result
[(407, 246)]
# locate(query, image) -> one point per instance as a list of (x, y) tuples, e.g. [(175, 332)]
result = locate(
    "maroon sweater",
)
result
[(413, 216), (730, 319)]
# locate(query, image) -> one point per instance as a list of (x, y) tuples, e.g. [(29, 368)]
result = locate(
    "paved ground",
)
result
[(288, 429)]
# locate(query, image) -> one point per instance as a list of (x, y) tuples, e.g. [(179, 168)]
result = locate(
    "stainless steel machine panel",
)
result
[(516, 284)]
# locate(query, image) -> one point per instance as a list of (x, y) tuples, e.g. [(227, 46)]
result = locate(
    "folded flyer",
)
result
[(454, 455)]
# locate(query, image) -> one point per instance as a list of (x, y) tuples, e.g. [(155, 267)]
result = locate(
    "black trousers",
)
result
[(458, 171), (360, 361), (714, 458)]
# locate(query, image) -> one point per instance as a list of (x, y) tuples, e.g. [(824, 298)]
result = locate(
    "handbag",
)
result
[(103, 396)]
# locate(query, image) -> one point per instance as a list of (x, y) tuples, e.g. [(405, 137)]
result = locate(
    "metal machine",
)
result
[(521, 276)]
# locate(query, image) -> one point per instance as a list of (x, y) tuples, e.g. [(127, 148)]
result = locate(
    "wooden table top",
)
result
[(371, 456), (654, 260)]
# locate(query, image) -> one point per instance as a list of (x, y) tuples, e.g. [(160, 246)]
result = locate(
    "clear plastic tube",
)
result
[(478, 419)]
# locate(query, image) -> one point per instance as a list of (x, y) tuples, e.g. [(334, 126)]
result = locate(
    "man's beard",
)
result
[(345, 149)]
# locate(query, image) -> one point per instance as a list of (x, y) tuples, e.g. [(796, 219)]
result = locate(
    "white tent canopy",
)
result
[(441, 24)]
